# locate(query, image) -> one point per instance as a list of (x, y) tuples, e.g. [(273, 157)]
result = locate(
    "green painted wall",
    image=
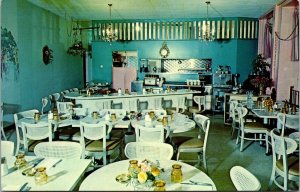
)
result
[(236, 53), (33, 28)]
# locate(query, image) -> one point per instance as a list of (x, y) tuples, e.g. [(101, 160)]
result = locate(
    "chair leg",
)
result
[(271, 179), (204, 161), (267, 143), (3, 133), (177, 156), (237, 137), (242, 142)]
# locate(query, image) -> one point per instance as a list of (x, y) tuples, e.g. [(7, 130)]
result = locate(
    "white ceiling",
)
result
[(155, 9)]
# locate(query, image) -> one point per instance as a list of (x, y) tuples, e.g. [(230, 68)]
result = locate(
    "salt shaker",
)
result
[(4, 167), (50, 115)]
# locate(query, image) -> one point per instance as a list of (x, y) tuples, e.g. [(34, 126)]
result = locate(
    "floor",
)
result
[(223, 153)]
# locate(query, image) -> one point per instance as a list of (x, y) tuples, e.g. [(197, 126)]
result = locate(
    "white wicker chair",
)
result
[(35, 132), (243, 180), (149, 134), (233, 114), (59, 149), (64, 107), (154, 103), (80, 111), (45, 104), (20, 136), (286, 166), (194, 144), (287, 121), (7, 148), (94, 143), (149, 150), (54, 98), (200, 101), (252, 128)]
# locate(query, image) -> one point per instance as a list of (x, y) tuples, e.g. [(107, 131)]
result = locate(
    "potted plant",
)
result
[(261, 66), (261, 70)]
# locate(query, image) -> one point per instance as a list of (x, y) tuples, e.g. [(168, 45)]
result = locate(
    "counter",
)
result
[(129, 101)]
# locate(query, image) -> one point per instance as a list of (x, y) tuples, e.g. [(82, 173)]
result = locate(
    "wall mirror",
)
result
[(125, 59)]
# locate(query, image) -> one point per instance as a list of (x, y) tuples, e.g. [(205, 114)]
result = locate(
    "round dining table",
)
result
[(175, 126), (104, 179)]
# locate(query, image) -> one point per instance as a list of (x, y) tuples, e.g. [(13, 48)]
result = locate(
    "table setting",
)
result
[(175, 123), (148, 175), (43, 174)]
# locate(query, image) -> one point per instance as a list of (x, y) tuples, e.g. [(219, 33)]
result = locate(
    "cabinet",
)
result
[(219, 98), (227, 98)]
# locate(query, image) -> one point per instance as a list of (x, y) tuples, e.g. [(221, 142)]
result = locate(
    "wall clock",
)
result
[(164, 51), (47, 55)]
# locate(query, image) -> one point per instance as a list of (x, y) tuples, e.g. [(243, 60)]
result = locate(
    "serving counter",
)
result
[(130, 102)]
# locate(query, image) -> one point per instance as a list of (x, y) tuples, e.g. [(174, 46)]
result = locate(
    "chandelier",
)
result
[(208, 33), (109, 34)]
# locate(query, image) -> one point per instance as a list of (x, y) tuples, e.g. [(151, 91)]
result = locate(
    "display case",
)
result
[(222, 83)]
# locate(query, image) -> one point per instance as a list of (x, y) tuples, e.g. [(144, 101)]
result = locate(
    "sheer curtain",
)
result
[(295, 40), (265, 37)]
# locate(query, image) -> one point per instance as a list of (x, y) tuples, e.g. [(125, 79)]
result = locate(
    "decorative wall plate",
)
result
[(47, 55)]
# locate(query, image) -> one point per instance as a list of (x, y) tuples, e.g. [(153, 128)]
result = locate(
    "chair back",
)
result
[(244, 180), (242, 112), (233, 110), (203, 123), (149, 150), (157, 112), (93, 131), (45, 102), (54, 98), (59, 149), (36, 131), (200, 100), (63, 107), (150, 134), (7, 148), (287, 121), (282, 145), (24, 114), (80, 111)]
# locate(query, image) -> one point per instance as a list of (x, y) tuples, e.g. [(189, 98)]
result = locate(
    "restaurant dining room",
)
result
[(149, 95)]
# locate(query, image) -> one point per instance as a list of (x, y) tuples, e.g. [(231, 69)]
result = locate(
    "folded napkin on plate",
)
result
[(48, 163)]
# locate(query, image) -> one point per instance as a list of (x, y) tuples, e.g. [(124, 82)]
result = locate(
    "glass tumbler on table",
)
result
[(176, 174), (20, 161), (41, 176)]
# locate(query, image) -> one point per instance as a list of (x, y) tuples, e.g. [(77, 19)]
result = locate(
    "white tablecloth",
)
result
[(104, 179)]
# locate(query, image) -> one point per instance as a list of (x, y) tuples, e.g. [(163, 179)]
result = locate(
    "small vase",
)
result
[(261, 90)]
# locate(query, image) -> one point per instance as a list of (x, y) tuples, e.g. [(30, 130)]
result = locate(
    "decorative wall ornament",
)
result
[(164, 50), (47, 55), (9, 51)]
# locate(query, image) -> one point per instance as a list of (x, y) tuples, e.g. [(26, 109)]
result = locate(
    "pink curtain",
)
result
[(265, 37)]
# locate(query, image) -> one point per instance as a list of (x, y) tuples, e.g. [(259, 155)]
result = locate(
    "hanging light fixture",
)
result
[(109, 34), (208, 33)]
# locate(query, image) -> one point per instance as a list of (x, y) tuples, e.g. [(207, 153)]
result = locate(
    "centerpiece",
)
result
[(143, 174)]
